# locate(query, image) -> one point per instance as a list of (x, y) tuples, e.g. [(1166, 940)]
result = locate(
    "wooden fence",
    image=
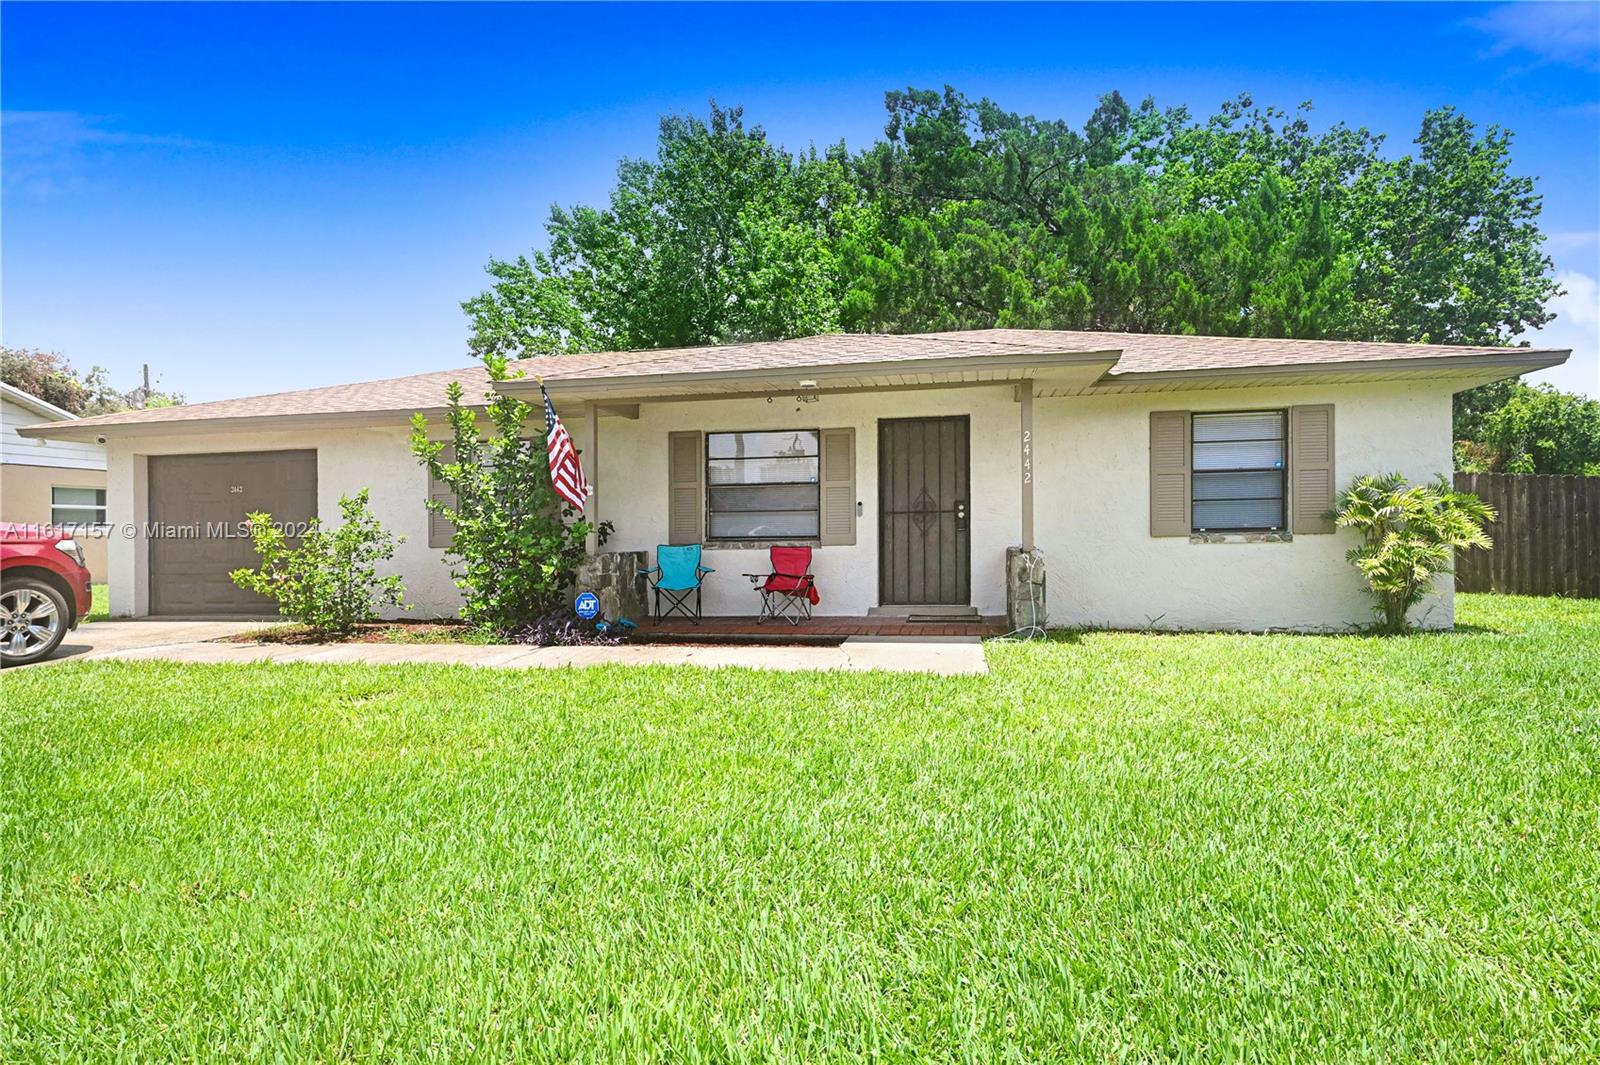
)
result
[(1547, 541)]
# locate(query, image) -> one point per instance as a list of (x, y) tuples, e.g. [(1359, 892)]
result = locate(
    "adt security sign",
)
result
[(587, 605)]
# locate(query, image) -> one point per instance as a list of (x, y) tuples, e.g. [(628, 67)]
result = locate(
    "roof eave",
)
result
[(1479, 368), (252, 423), (1075, 372), (42, 407), (1090, 365)]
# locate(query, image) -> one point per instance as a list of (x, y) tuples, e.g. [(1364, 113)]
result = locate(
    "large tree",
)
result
[(966, 215), (1451, 247), (723, 236)]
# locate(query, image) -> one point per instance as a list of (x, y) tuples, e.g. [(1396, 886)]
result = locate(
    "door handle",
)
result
[(961, 514)]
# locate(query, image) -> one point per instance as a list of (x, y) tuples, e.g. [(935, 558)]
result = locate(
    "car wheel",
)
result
[(33, 620)]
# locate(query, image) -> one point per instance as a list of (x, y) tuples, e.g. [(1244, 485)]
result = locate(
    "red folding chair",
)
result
[(789, 591)]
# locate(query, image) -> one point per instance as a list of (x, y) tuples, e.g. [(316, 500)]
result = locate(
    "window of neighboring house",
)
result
[(77, 506), (762, 486), (1239, 482)]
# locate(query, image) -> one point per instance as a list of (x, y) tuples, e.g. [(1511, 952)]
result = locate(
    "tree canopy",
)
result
[(48, 375), (965, 215), (1515, 427)]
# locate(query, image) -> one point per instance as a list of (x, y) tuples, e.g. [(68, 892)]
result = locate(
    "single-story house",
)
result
[(47, 481), (1167, 481)]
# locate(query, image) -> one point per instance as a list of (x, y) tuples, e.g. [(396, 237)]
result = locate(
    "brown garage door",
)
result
[(197, 504)]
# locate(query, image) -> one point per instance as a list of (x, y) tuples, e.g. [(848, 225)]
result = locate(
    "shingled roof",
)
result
[(1130, 358)]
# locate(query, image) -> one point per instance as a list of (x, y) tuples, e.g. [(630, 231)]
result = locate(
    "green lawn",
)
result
[(100, 607), (1114, 847)]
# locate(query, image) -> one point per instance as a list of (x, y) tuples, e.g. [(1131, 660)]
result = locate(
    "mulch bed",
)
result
[(375, 632)]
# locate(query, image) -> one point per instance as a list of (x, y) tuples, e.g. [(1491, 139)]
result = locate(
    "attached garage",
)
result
[(197, 511)]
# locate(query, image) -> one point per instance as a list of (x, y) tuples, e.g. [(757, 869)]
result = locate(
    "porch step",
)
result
[(921, 611)]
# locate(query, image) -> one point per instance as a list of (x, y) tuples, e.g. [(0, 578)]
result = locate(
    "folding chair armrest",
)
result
[(703, 570), (647, 572)]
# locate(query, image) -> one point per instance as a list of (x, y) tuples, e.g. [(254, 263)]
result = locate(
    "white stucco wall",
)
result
[(1092, 490), (348, 460), (633, 464), (1094, 523)]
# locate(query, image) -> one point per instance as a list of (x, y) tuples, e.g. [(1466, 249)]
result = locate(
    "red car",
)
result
[(44, 591)]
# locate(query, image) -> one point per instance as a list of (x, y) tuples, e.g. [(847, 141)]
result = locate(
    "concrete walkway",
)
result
[(949, 655)]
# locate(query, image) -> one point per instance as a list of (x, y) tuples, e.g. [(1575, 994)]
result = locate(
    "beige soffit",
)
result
[(1464, 371), (1072, 371)]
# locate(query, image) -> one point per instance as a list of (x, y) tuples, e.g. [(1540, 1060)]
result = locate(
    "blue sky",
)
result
[(259, 197)]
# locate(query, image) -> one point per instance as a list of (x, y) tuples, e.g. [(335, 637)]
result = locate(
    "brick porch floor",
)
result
[(820, 629)]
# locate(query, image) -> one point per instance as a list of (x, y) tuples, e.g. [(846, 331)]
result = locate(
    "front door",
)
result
[(924, 547)]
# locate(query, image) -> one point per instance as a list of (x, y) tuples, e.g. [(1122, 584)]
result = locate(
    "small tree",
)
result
[(44, 374), (1409, 533), (330, 582), (517, 544), (49, 376)]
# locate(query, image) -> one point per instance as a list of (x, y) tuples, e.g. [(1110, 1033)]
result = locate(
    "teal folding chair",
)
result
[(677, 573)]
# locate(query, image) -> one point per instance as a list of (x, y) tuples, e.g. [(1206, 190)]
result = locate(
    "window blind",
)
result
[(1238, 464), (762, 486)]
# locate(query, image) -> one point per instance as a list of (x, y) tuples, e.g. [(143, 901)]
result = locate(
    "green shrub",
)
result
[(330, 582), (1409, 533), (1515, 427), (516, 544)]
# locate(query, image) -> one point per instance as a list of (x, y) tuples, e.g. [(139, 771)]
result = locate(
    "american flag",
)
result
[(565, 473)]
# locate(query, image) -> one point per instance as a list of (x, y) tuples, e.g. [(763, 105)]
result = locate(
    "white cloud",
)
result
[(48, 152), (1567, 33), (1581, 304), (1577, 326), (1571, 240)]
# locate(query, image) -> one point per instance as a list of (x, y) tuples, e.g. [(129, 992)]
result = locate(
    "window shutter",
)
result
[(1169, 473), (1311, 484), (441, 531), (838, 486), (685, 471)]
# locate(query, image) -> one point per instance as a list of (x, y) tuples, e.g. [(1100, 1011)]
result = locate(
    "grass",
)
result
[(1114, 847), (100, 605)]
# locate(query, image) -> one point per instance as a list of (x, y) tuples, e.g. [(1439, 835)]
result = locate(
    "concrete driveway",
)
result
[(99, 639)]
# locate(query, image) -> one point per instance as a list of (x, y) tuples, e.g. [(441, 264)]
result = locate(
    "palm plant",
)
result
[(1409, 533)]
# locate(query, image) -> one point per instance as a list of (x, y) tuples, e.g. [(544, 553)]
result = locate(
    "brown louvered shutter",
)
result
[(1311, 483), (685, 470), (441, 531), (1169, 473), (838, 486)]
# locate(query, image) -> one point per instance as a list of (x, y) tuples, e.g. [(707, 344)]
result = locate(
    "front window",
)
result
[(1238, 474), (75, 507), (762, 486)]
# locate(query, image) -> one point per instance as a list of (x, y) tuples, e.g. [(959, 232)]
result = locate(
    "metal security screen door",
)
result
[(924, 547)]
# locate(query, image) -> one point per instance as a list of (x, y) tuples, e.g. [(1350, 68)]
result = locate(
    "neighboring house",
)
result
[(1168, 481), (45, 481)]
